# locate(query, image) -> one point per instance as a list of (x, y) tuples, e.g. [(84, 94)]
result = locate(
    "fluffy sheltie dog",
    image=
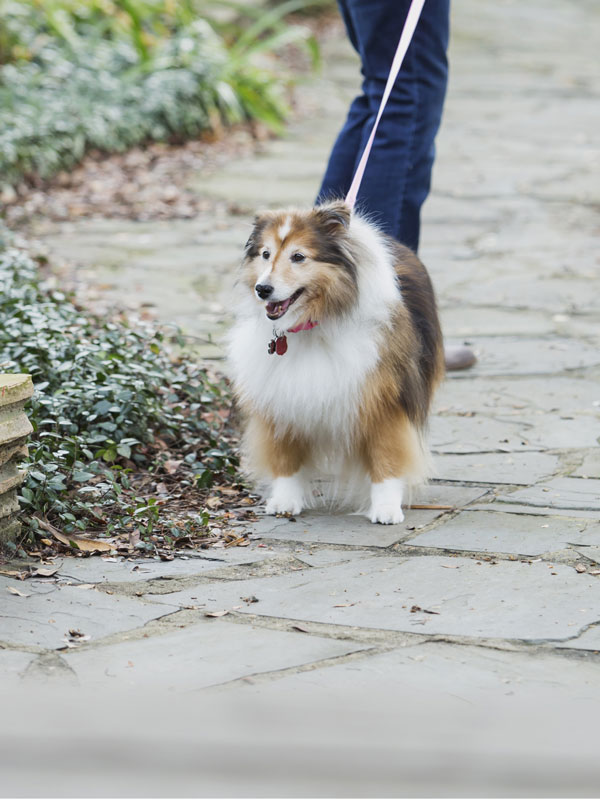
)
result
[(334, 357)]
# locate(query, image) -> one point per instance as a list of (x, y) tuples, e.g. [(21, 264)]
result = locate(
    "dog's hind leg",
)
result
[(281, 457), (394, 457)]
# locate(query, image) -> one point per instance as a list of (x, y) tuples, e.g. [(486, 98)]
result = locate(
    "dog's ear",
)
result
[(333, 215), (252, 246)]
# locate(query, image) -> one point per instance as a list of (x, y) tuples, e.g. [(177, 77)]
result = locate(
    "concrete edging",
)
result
[(15, 390)]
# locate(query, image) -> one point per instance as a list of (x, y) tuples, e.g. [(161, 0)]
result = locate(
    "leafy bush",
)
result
[(110, 402), (107, 75)]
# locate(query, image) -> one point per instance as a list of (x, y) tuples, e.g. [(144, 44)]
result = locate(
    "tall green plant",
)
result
[(110, 74)]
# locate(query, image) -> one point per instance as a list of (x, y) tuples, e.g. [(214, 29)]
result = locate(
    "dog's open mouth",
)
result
[(277, 310)]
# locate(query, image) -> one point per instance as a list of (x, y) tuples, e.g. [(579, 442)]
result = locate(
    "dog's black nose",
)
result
[(263, 290)]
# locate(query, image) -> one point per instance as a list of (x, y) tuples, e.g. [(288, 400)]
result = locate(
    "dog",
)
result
[(334, 358)]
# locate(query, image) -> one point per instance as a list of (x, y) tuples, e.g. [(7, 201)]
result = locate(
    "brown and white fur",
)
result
[(349, 399)]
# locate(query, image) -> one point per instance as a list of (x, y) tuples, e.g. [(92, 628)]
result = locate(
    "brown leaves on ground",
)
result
[(146, 183), (190, 519)]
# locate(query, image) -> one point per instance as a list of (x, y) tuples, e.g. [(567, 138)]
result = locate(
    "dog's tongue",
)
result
[(278, 309)]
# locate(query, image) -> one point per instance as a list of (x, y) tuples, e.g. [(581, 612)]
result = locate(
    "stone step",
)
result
[(15, 390)]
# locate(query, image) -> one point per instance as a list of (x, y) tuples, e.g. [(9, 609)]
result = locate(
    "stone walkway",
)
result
[(498, 597)]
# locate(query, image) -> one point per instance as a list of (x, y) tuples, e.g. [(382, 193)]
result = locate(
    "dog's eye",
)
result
[(297, 258), (266, 254)]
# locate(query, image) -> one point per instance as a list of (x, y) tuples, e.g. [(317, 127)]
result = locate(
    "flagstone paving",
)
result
[(497, 593)]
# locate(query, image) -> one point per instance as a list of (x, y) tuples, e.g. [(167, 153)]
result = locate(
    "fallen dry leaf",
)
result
[(344, 605), (83, 585), (172, 465), (214, 502), (449, 566), (77, 542), (43, 572), (415, 609), (238, 542), (85, 545), (14, 573), (580, 568), (300, 628), (216, 613), (18, 592)]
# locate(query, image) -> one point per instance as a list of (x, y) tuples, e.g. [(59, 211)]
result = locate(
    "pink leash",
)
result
[(414, 12)]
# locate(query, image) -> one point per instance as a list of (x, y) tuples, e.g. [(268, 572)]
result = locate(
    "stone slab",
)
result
[(45, 617), (590, 467), (435, 669), (348, 529), (542, 511), (498, 355), (97, 569), (482, 531), (589, 640), (326, 558), (464, 321), (476, 434), (494, 468), (589, 549), (548, 432), (12, 665), (517, 396), (507, 599), (273, 191), (567, 493), (206, 654), (527, 292), (356, 530)]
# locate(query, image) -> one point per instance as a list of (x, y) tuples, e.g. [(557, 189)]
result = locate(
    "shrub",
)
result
[(108, 75), (111, 402)]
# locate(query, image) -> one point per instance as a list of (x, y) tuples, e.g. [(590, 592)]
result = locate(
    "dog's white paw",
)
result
[(386, 502), (386, 514), (287, 496)]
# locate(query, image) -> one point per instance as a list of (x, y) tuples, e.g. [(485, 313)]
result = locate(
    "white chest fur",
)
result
[(315, 387)]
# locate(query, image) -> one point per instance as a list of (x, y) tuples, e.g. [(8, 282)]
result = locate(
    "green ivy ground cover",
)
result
[(111, 406)]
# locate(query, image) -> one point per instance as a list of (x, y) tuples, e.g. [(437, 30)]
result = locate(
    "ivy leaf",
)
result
[(81, 476)]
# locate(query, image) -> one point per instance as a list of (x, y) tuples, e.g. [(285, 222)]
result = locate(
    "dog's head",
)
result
[(299, 264)]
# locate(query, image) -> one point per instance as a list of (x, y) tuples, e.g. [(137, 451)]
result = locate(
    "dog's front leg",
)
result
[(287, 495), (386, 501), (392, 454), (284, 456)]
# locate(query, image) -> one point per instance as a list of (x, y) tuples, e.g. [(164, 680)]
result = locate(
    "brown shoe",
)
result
[(459, 357)]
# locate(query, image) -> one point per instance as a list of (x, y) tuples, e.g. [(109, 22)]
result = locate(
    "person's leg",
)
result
[(398, 174), (345, 152), (430, 45)]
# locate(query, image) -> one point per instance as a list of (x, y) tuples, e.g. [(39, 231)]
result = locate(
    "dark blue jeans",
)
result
[(398, 174)]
